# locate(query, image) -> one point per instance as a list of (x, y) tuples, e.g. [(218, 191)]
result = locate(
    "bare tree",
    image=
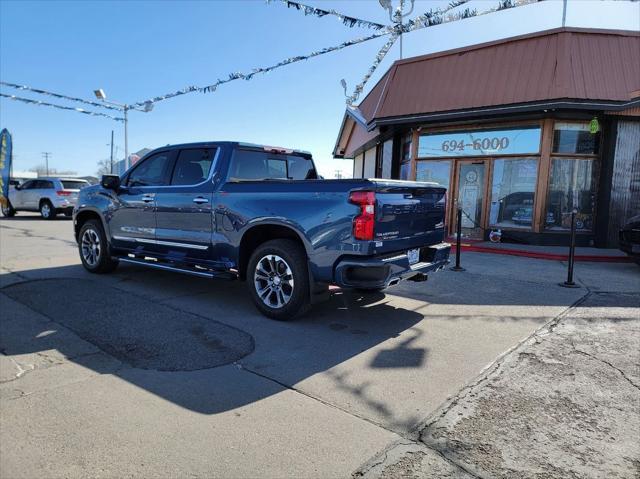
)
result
[(42, 171), (104, 167)]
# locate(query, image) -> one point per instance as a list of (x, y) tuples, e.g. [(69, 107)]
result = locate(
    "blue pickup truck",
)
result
[(263, 215)]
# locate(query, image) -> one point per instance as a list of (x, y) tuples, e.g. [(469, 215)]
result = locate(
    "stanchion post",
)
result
[(569, 283), (457, 267)]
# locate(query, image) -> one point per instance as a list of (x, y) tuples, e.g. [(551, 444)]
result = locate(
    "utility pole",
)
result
[(46, 156), (111, 163)]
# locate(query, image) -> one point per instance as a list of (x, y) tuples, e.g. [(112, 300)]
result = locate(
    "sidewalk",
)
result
[(564, 404)]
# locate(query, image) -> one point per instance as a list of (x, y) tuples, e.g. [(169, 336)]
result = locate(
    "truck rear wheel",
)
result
[(278, 279)]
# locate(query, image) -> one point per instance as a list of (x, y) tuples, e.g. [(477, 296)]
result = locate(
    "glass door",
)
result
[(470, 194)]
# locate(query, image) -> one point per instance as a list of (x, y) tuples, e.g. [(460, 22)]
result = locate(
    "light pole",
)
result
[(111, 161), (101, 95), (397, 16)]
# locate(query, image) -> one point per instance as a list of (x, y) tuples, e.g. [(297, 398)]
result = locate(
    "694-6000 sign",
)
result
[(484, 144)]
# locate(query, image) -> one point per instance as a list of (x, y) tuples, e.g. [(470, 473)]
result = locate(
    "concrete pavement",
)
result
[(157, 374)]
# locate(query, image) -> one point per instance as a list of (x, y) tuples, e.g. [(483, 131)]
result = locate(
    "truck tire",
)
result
[(94, 249), (7, 210), (47, 211), (278, 279)]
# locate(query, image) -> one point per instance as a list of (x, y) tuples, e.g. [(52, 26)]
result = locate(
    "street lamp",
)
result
[(148, 106), (397, 16)]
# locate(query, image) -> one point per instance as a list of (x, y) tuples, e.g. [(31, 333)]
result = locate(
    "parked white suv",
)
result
[(49, 196)]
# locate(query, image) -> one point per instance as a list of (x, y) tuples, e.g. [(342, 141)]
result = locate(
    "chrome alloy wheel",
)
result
[(91, 247), (273, 281)]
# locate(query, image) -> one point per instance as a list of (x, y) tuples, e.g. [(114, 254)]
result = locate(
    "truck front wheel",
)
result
[(278, 279), (94, 249)]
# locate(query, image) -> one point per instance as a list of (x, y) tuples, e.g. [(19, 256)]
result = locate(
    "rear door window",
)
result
[(153, 171), (73, 185), (44, 184), (193, 166), (247, 165)]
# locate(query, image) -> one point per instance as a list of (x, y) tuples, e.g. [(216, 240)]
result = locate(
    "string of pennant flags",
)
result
[(431, 18), (61, 107), (434, 17), (248, 76), (58, 95), (319, 12), (431, 14)]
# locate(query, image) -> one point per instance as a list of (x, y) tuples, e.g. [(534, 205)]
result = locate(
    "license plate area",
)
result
[(413, 255)]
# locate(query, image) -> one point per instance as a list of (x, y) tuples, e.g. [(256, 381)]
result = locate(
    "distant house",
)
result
[(521, 131)]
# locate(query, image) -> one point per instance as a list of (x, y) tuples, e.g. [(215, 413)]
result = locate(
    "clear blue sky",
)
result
[(139, 49)]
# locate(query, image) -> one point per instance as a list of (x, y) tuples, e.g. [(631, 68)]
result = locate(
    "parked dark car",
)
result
[(260, 214), (630, 238)]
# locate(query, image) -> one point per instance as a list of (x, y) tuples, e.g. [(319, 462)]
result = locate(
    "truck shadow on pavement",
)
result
[(198, 344)]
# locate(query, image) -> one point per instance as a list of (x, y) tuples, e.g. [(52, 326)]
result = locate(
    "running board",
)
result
[(203, 274)]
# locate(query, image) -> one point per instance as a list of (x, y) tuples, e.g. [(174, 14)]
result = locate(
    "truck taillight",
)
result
[(64, 193), (363, 224)]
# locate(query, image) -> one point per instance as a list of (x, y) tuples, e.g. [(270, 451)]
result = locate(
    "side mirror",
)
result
[(110, 182)]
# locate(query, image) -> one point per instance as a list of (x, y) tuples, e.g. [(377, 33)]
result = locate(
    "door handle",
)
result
[(147, 198), (199, 200)]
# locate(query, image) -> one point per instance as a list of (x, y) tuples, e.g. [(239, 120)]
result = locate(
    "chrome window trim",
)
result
[(208, 180), (160, 242)]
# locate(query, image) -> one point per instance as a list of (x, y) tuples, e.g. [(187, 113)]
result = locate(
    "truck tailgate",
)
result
[(408, 214)]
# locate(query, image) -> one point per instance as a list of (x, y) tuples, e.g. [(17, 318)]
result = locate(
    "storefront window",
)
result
[(434, 171), (513, 192), (571, 185), (574, 138), (508, 141)]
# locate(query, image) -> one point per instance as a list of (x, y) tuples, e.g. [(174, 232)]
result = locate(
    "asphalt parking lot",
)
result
[(493, 372)]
